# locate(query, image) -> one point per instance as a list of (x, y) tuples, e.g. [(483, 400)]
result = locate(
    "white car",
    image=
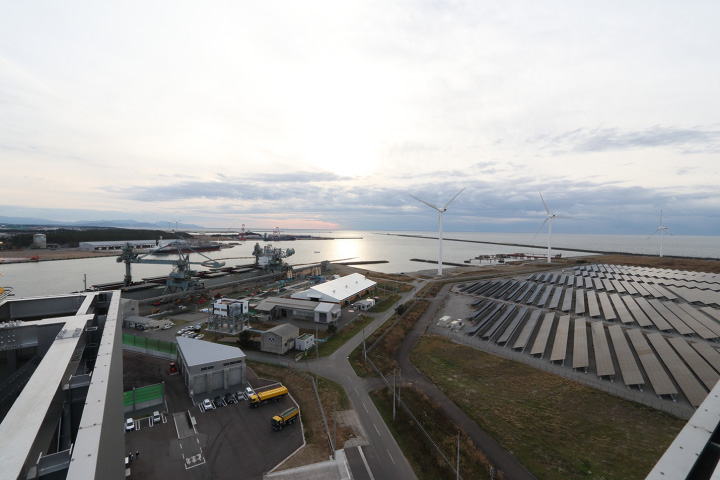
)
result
[(207, 404), (200, 336), (156, 417), (129, 424)]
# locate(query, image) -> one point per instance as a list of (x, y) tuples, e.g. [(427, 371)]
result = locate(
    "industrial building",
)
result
[(278, 307), (304, 342), (343, 290), (207, 367), (61, 397), (279, 339)]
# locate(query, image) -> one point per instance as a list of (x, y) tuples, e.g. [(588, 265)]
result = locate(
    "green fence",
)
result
[(144, 394), (150, 343)]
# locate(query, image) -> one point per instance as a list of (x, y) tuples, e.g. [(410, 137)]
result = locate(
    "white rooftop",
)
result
[(338, 289)]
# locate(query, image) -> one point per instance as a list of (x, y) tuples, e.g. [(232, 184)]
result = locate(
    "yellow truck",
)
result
[(272, 395), (285, 418)]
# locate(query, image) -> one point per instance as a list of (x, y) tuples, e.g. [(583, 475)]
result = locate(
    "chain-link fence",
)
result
[(617, 389)]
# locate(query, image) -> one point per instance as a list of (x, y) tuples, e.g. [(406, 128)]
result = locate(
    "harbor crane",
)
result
[(181, 276)]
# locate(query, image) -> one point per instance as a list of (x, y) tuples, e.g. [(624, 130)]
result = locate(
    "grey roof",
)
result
[(326, 307), (199, 352), (284, 330), (271, 302)]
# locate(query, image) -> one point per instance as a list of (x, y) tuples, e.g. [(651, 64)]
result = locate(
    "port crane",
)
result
[(181, 276)]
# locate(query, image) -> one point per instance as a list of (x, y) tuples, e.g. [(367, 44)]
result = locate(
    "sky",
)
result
[(329, 115)]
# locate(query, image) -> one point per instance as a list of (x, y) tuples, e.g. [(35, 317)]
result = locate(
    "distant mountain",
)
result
[(96, 223)]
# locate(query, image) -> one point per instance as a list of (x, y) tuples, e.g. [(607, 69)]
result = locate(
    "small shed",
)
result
[(279, 339), (304, 342)]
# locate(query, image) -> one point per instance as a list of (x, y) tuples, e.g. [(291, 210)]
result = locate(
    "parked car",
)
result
[(166, 326), (198, 327), (229, 398), (207, 404), (218, 401), (129, 424), (156, 417), (249, 391), (240, 396), (199, 337)]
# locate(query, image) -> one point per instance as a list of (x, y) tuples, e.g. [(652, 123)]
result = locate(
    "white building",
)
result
[(304, 342), (343, 290), (231, 306)]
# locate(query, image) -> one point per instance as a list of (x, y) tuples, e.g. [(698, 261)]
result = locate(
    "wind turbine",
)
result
[(440, 225), (550, 217), (662, 231)]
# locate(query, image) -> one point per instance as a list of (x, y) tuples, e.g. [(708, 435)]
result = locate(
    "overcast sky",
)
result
[(326, 114)]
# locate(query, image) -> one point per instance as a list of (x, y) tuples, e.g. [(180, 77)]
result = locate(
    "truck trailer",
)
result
[(273, 395), (285, 418)]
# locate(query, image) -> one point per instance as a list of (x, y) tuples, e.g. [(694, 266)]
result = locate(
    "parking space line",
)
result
[(368, 411), (376, 429), (393, 460)]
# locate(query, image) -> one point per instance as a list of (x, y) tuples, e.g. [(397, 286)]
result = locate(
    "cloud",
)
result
[(684, 140)]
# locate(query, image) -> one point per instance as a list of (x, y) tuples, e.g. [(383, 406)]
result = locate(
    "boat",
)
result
[(36, 258)]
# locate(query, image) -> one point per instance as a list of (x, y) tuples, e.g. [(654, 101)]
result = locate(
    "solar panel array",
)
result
[(637, 306)]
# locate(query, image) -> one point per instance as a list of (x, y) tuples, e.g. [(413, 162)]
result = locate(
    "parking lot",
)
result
[(227, 441)]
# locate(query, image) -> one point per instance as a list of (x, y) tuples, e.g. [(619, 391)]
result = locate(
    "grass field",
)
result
[(555, 427), (339, 338), (425, 460)]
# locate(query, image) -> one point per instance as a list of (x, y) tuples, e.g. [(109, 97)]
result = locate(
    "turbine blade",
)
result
[(541, 226), (423, 201), (453, 198), (654, 233), (544, 204)]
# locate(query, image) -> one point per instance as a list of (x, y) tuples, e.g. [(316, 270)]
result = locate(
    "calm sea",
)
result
[(58, 277)]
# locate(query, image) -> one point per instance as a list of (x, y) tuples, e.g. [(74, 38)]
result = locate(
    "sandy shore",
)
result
[(59, 254)]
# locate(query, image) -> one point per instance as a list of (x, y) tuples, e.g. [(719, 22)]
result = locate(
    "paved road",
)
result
[(382, 455)]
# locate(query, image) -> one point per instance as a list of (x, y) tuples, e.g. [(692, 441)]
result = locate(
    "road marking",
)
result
[(376, 429), (367, 467), (393, 460), (368, 411)]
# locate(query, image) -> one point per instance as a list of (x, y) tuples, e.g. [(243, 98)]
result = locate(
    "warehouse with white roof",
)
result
[(343, 290), (207, 366)]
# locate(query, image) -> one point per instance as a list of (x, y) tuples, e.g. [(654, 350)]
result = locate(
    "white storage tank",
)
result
[(39, 240)]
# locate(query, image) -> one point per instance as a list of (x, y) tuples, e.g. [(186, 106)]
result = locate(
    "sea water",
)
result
[(64, 276)]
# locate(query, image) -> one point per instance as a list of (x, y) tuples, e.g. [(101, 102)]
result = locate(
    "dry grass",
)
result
[(557, 428)]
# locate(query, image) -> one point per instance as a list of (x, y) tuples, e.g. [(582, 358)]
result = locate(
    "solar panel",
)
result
[(533, 295), (593, 308), (709, 354), (622, 311), (692, 389), (608, 285), (708, 322), (603, 361), (580, 346), (559, 350), (659, 379), (538, 347), (597, 283), (524, 292), (497, 323), (567, 300), (579, 301), (588, 283), (654, 316), (628, 287), (700, 367), (637, 312), (512, 326), (640, 288), (521, 341), (607, 310), (544, 298), (629, 368), (618, 286), (555, 300), (681, 327)]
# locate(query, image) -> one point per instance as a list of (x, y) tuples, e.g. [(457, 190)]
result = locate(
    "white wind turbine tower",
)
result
[(662, 231), (440, 224), (550, 217)]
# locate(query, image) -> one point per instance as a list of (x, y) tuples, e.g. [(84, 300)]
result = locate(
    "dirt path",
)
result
[(497, 455)]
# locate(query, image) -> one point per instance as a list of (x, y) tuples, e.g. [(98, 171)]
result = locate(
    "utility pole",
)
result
[(393, 392), (399, 383), (457, 472), (85, 282), (364, 351), (335, 428)]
